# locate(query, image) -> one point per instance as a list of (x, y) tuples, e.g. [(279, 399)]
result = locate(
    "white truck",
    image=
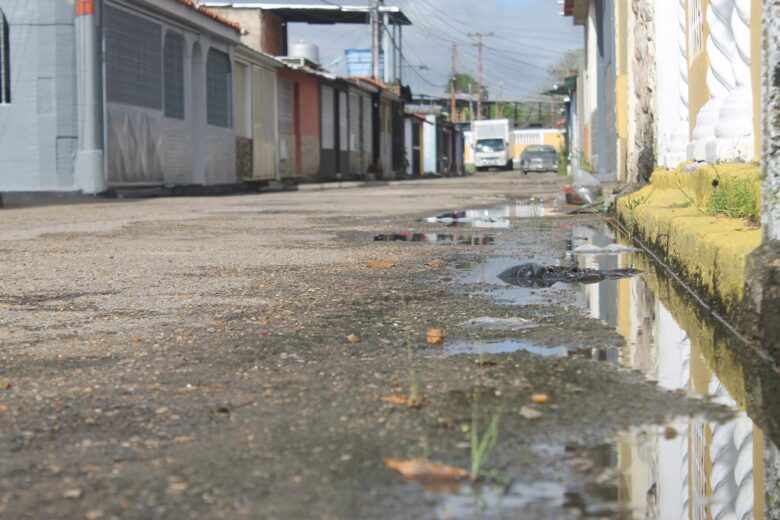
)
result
[(491, 144)]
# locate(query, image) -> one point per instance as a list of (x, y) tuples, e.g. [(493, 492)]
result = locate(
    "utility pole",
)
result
[(471, 105), (376, 39), (453, 105), (479, 44)]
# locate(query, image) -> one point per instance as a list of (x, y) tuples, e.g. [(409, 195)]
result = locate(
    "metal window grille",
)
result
[(174, 75), (5, 61), (285, 107), (328, 118), (343, 122), (218, 89), (133, 60)]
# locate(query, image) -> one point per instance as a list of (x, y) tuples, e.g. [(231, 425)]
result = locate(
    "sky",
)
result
[(528, 36)]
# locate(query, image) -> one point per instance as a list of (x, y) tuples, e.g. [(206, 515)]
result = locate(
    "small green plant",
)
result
[(737, 198), (482, 447), (583, 162), (634, 201), (414, 393), (563, 164)]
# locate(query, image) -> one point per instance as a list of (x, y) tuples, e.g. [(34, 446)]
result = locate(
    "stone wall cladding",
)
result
[(244, 154), (311, 156), (771, 120), (177, 156), (220, 156), (642, 151)]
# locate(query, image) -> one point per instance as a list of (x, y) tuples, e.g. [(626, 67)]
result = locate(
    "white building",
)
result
[(155, 109)]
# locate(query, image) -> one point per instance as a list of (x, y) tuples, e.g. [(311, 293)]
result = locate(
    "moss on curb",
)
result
[(710, 252)]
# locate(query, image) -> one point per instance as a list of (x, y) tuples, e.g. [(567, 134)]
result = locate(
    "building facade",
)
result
[(115, 93)]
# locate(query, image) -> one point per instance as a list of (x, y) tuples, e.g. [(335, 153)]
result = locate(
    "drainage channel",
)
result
[(690, 468)]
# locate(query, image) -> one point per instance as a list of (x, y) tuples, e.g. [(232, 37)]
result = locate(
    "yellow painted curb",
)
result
[(708, 251)]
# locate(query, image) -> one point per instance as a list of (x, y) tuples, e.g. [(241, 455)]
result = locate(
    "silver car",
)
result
[(539, 158)]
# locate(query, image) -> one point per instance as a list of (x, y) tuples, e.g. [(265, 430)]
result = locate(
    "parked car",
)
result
[(539, 158)]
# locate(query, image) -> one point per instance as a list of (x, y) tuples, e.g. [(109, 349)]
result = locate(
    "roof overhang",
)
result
[(320, 14), (578, 9)]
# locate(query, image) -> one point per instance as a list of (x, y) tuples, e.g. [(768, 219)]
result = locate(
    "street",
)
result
[(225, 358)]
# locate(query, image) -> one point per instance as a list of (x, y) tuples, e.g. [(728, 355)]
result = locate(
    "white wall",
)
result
[(38, 134)]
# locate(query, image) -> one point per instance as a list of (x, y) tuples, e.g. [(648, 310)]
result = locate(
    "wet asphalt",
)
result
[(189, 358)]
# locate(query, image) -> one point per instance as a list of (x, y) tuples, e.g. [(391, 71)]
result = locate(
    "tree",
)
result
[(462, 83), (567, 65)]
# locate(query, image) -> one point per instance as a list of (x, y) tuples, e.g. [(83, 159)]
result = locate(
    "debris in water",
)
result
[(425, 470), (536, 275), (382, 264), (435, 336), (539, 398), (354, 339)]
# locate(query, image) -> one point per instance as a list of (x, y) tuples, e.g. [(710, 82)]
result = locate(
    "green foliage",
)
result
[(737, 198), (462, 83), (481, 447), (567, 65), (563, 164)]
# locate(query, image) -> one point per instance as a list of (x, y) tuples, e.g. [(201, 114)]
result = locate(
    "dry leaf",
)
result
[(401, 400), (539, 398), (421, 469), (352, 338), (529, 413), (436, 264), (670, 433), (435, 336), (382, 264)]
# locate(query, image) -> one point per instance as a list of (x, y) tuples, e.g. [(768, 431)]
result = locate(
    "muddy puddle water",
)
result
[(437, 238), (689, 468), (500, 215)]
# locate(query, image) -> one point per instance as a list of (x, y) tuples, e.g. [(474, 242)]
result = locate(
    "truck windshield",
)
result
[(490, 145)]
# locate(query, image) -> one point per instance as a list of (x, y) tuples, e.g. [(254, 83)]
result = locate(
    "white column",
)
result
[(734, 130), (90, 166), (720, 77), (675, 152)]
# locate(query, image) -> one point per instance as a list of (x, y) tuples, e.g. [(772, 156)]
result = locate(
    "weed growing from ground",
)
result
[(737, 198)]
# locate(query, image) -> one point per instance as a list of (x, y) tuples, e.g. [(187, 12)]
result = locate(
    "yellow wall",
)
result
[(755, 65), (554, 138), (698, 93)]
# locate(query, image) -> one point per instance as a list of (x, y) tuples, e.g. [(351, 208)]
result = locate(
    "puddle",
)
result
[(501, 215), (496, 501), (437, 238), (484, 274), (689, 468), (502, 347), (686, 469)]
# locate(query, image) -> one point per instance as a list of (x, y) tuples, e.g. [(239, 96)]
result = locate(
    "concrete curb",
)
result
[(710, 252)]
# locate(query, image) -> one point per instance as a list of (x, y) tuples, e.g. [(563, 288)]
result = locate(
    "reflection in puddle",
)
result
[(499, 216), (437, 238), (503, 347), (470, 503), (709, 470)]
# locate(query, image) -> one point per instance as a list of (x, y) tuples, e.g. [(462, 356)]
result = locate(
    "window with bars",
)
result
[(174, 75), (5, 61), (218, 89), (133, 60), (285, 107)]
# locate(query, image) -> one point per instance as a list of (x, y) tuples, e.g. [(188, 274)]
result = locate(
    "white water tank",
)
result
[(308, 51)]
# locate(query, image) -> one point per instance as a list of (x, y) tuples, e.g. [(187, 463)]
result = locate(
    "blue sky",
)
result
[(529, 35)]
